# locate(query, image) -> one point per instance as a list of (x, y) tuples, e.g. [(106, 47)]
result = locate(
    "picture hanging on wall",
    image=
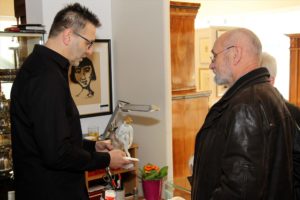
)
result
[(90, 81)]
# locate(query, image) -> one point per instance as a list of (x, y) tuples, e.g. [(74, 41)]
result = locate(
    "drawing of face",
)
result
[(83, 74)]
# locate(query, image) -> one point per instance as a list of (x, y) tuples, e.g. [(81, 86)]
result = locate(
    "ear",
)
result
[(66, 36), (237, 54)]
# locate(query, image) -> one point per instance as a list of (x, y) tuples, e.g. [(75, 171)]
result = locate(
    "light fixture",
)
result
[(123, 106)]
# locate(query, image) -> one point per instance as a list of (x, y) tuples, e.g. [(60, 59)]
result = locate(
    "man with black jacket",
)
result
[(49, 155), (244, 148)]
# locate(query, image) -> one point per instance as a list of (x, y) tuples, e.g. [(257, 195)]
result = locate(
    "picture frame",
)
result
[(220, 32), (91, 81), (205, 79), (204, 51)]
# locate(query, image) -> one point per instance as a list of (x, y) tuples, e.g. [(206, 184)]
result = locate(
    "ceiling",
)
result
[(223, 7)]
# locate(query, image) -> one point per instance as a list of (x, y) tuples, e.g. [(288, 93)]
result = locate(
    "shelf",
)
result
[(98, 174), (129, 176), (20, 34)]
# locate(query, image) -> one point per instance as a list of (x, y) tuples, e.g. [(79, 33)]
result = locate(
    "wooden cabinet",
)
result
[(129, 176), (294, 69), (182, 21), (189, 108), (189, 112)]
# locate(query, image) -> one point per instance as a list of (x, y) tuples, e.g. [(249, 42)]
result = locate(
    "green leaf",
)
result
[(152, 175), (163, 172)]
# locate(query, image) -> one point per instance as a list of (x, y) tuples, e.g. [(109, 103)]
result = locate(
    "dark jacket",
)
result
[(295, 112), (49, 156), (244, 149)]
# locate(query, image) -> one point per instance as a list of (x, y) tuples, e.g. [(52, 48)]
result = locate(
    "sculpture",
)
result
[(125, 134)]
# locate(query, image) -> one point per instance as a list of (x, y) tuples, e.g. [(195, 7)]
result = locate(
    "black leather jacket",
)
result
[(244, 148)]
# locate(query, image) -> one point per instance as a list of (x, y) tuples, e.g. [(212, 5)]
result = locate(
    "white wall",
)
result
[(142, 71)]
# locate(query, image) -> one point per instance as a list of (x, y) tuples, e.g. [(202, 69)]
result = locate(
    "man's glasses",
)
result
[(214, 56), (90, 42)]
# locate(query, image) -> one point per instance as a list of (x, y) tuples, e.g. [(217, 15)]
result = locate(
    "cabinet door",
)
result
[(183, 45), (188, 116), (294, 69)]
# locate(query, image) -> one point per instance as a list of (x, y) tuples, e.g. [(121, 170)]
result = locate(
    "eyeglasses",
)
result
[(214, 56), (90, 42)]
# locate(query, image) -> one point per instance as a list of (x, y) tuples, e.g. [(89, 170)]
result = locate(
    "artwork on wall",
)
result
[(220, 32), (90, 82), (206, 79), (204, 51)]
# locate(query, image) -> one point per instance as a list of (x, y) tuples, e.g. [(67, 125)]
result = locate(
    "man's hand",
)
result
[(101, 146), (117, 159)]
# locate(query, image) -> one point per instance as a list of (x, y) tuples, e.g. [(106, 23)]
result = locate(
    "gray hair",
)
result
[(269, 62), (73, 16)]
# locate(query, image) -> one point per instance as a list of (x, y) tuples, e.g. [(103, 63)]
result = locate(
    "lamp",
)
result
[(123, 106)]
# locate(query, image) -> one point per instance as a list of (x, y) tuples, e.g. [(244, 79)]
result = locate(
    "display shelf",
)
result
[(129, 176), (20, 34)]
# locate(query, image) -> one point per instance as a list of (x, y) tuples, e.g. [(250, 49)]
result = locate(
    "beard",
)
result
[(224, 75), (220, 80)]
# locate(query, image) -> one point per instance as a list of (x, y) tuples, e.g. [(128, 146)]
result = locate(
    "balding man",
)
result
[(244, 148)]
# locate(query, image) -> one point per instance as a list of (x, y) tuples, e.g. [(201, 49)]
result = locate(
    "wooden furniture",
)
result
[(129, 176), (189, 112), (189, 107), (294, 69), (182, 21)]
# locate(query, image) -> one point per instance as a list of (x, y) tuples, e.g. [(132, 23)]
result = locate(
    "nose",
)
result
[(89, 51)]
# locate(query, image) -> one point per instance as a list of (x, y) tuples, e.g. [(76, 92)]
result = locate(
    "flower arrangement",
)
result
[(153, 172)]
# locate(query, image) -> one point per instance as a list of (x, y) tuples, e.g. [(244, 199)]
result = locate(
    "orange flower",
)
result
[(147, 168), (153, 172)]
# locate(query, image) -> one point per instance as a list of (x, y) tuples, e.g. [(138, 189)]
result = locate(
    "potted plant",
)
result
[(152, 177)]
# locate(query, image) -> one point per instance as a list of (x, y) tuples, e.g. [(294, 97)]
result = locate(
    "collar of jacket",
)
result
[(259, 75), (53, 55)]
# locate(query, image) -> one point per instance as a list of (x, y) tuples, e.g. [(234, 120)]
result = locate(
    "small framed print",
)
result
[(90, 82), (204, 51), (220, 32), (205, 79)]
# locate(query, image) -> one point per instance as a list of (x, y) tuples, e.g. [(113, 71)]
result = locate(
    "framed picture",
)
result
[(204, 51), (90, 82), (205, 79), (220, 32)]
